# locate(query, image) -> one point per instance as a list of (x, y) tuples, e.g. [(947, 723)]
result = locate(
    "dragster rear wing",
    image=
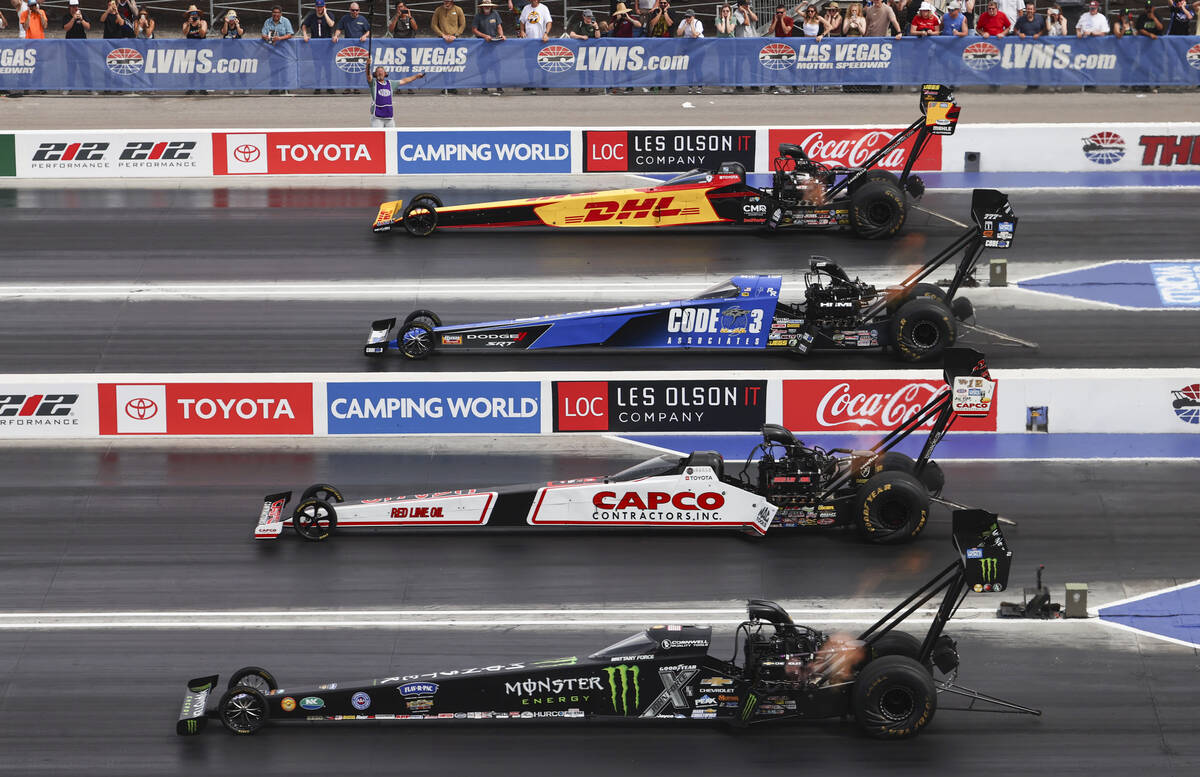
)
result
[(994, 218), (272, 518), (193, 716), (982, 549)]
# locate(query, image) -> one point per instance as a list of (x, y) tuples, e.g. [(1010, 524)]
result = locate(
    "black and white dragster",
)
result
[(885, 493), (889, 680)]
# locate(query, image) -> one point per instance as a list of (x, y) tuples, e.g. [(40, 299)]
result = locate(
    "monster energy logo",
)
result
[(988, 566), (568, 661), (751, 701), (191, 726), (629, 675)]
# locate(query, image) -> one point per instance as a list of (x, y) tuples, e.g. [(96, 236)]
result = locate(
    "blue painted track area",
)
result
[(736, 447), (1153, 285), (1035, 180), (1172, 614)]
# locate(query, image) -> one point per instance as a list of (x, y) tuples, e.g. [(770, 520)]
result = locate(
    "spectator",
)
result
[(536, 21), (782, 25), (584, 26), (992, 23), (690, 26), (115, 25), (835, 19), (660, 22), (143, 26), (724, 24), (623, 24), (20, 6), (354, 26), (448, 21), (1092, 24), (1148, 23), (1030, 24), (925, 23), (1056, 23), (1011, 9), (1123, 25), (231, 28), (3, 26), (855, 25), (75, 24), (881, 20), (128, 10), (487, 23), (812, 24), (33, 21), (744, 18), (1181, 18), (953, 21), (403, 24), (318, 24), (275, 29), (382, 89), (194, 26)]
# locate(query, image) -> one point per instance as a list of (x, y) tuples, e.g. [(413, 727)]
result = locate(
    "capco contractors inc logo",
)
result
[(865, 405), (434, 407), (851, 147), (351, 59), (497, 151), (206, 408), (124, 62), (17, 62), (609, 57), (665, 150), (659, 405), (1186, 403), (828, 56), (1104, 148), (299, 153)]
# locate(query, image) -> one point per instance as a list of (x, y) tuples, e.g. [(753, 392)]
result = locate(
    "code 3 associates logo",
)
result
[(438, 407), (508, 151)]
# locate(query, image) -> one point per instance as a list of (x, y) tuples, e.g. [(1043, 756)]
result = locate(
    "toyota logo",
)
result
[(141, 408), (246, 153)]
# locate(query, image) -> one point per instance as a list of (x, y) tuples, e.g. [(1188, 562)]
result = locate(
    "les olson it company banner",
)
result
[(206, 408)]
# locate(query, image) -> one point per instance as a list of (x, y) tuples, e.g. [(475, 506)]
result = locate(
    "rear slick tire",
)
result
[(922, 329), (894, 698), (892, 507), (877, 210)]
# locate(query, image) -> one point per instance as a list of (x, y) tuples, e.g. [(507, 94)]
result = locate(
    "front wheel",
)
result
[(254, 677), (420, 217), (243, 710), (894, 698), (892, 507), (417, 338), (322, 491), (877, 210), (429, 314), (314, 520), (922, 329)]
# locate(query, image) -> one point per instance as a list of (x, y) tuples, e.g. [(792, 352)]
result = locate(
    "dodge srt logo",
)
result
[(141, 408), (246, 153), (608, 500)]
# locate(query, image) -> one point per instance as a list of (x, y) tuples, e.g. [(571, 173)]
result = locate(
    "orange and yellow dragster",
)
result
[(871, 202)]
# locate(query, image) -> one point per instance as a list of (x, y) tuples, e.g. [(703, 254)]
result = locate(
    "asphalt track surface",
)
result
[(169, 529), (324, 236)]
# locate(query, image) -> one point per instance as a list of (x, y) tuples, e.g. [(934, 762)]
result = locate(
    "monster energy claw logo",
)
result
[(988, 567), (751, 702), (192, 726), (627, 674)]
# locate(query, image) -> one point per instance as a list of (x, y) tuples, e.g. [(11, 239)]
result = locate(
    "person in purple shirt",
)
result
[(382, 114)]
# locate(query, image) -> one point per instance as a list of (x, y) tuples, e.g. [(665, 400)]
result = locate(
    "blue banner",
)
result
[(139, 65), (478, 407), (494, 151)]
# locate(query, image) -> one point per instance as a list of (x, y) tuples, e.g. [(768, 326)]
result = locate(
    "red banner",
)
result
[(868, 405), (206, 408), (355, 152), (850, 147)]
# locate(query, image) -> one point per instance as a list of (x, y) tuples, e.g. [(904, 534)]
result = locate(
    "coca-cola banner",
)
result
[(866, 405), (851, 146)]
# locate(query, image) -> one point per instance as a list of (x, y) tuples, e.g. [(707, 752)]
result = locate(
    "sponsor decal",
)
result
[(1192, 57), (493, 151), (625, 687), (312, 702), (1170, 150), (1104, 148), (682, 500), (206, 408), (1014, 55), (351, 59), (553, 691), (124, 62), (981, 56), (434, 407), (185, 60), (360, 701), (418, 689), (665, 150), (85, 154), (974, 552), (777, 56), (676, 644), (716, 681), (287, 704), (300, 153), (1186, 403), (987, 569), (853, 146), (609, 58), (659, 405), (425, 59), (555, 59), (867, 405), (17, 61), (47, 410), (831, 56)]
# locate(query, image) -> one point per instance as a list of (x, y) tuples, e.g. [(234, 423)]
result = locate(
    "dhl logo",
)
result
[(632, 211)]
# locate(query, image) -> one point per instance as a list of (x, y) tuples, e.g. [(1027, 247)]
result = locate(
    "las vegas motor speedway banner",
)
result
[(140, 65), (862, 403)]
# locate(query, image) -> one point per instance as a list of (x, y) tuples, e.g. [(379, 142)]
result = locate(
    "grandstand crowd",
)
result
[(509, 19)]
